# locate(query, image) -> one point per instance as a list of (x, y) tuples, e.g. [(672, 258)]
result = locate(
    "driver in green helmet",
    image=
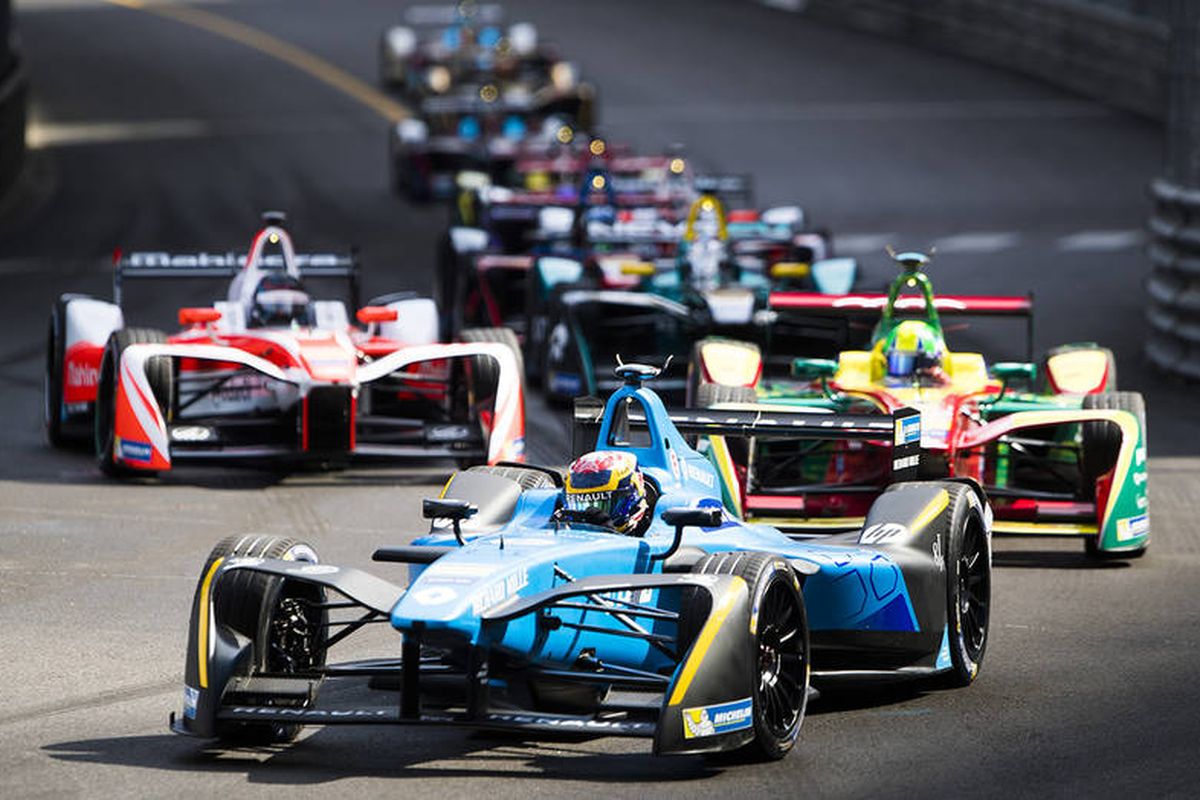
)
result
[(913, 352)]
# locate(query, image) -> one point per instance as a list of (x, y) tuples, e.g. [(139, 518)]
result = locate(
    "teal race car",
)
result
[(1059, 450)]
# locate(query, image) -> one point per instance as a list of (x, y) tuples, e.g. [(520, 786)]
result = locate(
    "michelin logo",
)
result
[(1133, 527), (191, 697), (135, 451), (715, 720)]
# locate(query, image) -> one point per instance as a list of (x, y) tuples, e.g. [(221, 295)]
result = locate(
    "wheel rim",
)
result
[(974, 592), (782, 660)]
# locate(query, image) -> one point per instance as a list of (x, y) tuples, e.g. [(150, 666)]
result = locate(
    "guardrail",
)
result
[(1174, 285), (1097, 51), (13, 90)]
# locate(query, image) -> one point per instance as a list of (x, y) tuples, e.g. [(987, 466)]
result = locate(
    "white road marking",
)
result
[(1102, 241), (978, 242), (869, 111), (58, 134)]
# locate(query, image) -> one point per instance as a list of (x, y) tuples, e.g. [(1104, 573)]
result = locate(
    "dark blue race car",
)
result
[(702, 633)]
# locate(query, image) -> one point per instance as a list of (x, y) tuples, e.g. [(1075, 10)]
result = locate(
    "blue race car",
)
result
[(695, 629)]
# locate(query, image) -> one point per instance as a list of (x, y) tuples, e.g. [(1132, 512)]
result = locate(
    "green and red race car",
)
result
[(1058, 449)]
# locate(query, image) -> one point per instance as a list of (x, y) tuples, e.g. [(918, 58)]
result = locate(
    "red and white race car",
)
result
[(271, 374)]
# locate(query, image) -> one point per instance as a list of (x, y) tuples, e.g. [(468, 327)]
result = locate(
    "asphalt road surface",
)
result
[(172, 128)]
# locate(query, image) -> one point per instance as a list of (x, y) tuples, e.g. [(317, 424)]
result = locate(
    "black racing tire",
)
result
[(526, 478), (1100, 448), (782, 644), (967, 557), (161, 374), (52, 385), (485, 367), (1043, 379), (710, 394), (255, 606), (1101, 441)]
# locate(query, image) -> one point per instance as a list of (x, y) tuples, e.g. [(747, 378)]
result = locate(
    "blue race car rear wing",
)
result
[(901, 428)]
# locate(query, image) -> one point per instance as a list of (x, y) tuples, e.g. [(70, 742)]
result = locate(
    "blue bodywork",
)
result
[(847, 588)]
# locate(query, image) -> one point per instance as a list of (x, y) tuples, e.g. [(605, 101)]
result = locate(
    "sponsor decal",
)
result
[(81, 376), (568, 722), (1133, 527), (673, 463), (435, 595), (565, 383), (315, 569), (134, 451), (447, 433), (191, 697), (1139, 478), (558, 342), (698, 474), (943, 657), (284, 711), (1143, 502), (229, 260), (938, 561), (1140, 456), (639, 596), (908, 430), (718, 719), (883, 532), (500, 591), (907, 462)]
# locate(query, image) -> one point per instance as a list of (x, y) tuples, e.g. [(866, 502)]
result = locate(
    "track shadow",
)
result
[(332, 754), (1053, 559), (866, 696)]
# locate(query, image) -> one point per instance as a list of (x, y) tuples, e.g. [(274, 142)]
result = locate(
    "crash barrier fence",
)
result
[(13, 91), (1093, 48), (1174, 285)]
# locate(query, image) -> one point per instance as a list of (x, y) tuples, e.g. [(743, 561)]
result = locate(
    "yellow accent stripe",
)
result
[(1044, 528), (446, 487), (936, 506), (705, 640), (816, 523), (728, 475), (334, 77), (202, 623)]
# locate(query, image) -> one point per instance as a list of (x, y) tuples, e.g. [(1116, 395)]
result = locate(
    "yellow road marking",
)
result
[(202, 632), (705, 640), (334, 77)]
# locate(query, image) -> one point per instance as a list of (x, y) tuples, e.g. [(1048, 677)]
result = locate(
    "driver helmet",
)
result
[(912, 346), (279, 301), (606, 487)]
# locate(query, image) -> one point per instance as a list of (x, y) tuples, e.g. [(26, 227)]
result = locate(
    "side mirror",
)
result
[(198, 316), (790, 269), (812, 369), (369, 315), (454, 510), (680, 518), (1010, 370), (706, 517)]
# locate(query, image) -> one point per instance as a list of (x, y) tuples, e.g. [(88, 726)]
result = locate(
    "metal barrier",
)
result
[(1090, 48)]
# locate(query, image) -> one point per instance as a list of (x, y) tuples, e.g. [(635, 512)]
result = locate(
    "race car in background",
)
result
[(270, 374), (700, 633), (481, 127), (1058, 449), (648, 288), (441, 47)]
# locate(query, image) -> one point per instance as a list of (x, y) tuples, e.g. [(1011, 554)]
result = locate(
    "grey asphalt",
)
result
[(1090, 683)]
